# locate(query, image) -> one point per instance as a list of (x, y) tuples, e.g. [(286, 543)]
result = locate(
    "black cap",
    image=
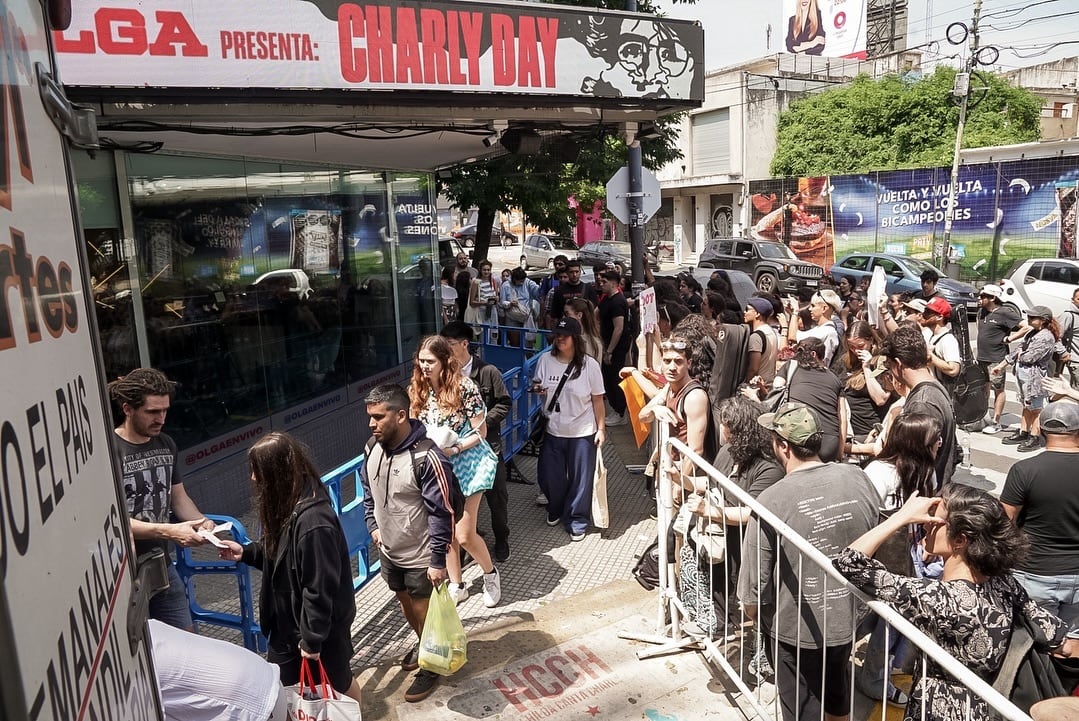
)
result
[(567, 326)]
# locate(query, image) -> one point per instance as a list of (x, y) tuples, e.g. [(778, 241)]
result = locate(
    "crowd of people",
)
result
[(831, 416)]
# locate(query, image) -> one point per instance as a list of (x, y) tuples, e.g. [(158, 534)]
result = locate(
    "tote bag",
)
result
[(307, 702)]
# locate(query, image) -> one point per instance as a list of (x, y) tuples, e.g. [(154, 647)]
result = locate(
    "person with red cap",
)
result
[(944, 357)]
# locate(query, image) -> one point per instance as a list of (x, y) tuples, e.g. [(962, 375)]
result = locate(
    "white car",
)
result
[(1042, 281)]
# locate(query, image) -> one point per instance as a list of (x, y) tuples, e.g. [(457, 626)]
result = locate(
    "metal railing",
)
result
[(688, 618)]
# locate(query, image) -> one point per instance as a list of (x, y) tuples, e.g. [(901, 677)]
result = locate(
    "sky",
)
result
[(736, 31)]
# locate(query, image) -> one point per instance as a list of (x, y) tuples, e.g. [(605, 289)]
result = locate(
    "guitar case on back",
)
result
[(970, 399)]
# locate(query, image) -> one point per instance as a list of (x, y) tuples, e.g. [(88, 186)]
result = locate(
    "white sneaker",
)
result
[(541, 500), (991, 429), (492, 588), (458, 593), (614, 419)]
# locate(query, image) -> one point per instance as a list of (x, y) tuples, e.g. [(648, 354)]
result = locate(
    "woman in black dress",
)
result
[(805, 29), (971, 610)]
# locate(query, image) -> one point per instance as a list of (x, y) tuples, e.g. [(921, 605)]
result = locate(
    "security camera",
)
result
[(491, 139)]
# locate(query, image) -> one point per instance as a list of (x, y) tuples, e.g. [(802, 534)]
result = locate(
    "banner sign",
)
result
[(831, 28), (409, 45)]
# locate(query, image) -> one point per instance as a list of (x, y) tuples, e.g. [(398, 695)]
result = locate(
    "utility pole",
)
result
[(633, 199), (963, 88)]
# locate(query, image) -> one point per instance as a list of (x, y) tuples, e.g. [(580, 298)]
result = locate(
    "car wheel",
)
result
[(468, 242), (767, 283), (706, 264)]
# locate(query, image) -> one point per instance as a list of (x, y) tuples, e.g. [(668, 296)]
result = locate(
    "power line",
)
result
[(1031, 20)]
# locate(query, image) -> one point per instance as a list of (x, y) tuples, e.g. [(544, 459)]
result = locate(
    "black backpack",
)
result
[(1027, 675), (966, 390), (418, 451)]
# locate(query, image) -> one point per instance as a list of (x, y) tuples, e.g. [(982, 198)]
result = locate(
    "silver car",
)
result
[(540, 250)]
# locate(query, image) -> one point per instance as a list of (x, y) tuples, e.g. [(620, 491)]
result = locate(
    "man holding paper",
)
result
[(152, 483)]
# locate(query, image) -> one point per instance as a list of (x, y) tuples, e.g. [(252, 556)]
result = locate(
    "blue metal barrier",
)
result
[(515, 431), (353, 524), (189, 568)]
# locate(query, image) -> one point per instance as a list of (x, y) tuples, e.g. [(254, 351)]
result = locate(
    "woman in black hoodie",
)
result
[(306, 606)]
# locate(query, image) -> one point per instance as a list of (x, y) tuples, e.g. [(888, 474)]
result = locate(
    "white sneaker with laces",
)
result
[(991, 429), (458, 593), (541, 500), (492, 588)]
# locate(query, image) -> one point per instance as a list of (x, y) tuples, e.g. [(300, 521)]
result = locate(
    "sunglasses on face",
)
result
[(673, 345)]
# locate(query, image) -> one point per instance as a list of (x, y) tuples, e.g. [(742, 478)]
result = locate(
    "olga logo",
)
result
[(840, 20)]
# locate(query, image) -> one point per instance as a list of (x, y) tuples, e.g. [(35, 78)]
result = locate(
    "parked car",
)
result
[(448, 248), (467, 235), (540, 249), (773, 266), (1042, 281), (903, 275), (600, 251)]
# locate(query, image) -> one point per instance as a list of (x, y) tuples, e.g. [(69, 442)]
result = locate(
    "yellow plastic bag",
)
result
[(443, 644)]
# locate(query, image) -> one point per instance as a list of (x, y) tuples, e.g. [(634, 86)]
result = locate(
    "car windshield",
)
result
[(618, 248), (561, 243), (776, 250), (918, 266)]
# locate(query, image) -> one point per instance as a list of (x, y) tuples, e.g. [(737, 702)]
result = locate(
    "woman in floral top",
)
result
[(442, 397), (970, 611)]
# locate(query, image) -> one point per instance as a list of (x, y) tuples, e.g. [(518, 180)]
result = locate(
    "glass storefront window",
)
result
[(266, 284)]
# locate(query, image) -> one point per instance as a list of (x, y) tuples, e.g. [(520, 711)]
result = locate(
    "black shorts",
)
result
[(413, 580), (798, 679)]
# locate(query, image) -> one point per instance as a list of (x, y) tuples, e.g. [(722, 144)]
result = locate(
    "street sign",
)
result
[(618, 195)]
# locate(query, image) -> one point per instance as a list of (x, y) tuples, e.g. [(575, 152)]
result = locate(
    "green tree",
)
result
[(893, 123), (540, 185)]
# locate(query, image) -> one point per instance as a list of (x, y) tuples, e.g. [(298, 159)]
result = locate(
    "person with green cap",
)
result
[(806, 618)]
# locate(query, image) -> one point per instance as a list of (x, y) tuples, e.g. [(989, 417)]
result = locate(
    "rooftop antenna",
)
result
[(768, 36)]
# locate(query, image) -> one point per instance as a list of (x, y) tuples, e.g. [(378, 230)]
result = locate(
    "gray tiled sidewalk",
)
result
[(545, 566)]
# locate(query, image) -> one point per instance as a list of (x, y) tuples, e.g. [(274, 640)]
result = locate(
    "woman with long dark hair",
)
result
[(813, 384), (449, 404), (972, 609), (584, 312), (306, 604), (905, 467), (571, 385)]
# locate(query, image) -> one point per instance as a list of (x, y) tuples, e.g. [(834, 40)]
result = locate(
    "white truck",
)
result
[(72, 604)]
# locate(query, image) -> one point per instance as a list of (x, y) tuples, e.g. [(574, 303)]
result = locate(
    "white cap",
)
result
[(991, 289)]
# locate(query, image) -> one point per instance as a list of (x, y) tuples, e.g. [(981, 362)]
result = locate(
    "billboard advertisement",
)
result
[(1003, 212), (406, 45), (831, 28)]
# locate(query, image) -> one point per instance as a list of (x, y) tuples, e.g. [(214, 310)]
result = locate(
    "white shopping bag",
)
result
[(306, 702)]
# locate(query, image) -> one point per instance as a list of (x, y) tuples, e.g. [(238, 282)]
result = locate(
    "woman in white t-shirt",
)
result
[(575, 428)]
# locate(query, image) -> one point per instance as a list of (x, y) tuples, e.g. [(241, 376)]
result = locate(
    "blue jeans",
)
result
[(1058, 595), (565, 471)]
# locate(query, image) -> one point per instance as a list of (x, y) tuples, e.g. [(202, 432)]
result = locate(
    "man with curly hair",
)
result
[(153, 486)]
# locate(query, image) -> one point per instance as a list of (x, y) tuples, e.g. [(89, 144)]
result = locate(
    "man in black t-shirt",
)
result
[(573, 288), (1040, 496), (907, 355), (614, 332), (996, 321), (153, 487)]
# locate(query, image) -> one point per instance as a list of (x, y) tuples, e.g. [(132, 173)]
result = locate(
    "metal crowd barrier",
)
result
[(346, 493), (690, 617)]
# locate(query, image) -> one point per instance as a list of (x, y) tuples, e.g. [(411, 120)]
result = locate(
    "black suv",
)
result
[(773, 267)]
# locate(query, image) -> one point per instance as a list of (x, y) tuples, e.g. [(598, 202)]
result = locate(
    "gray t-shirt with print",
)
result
[(829, 505)]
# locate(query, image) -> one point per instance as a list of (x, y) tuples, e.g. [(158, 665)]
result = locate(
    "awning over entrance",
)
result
[(405, 84)]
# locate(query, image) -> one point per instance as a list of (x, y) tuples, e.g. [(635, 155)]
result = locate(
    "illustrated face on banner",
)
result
[(644, 59)]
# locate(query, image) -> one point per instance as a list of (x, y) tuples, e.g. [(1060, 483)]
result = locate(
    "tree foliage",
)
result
[(894, 123), (541, 185)]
